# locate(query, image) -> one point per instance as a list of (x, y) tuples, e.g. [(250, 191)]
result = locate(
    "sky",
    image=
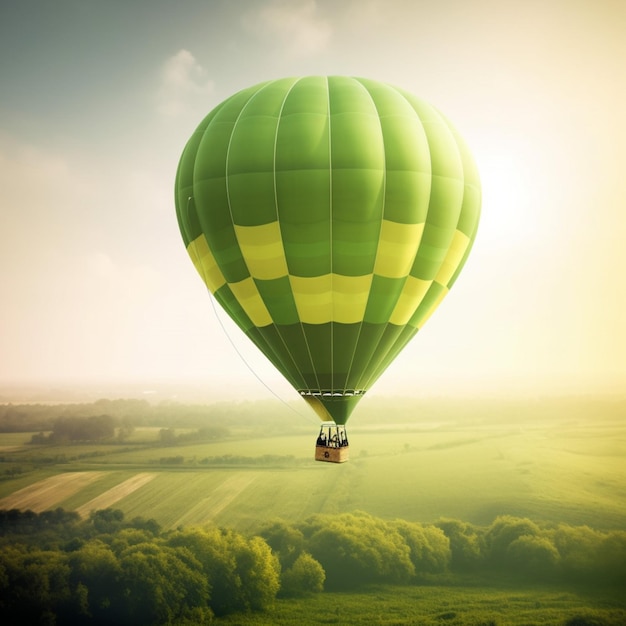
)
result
[(98, 98)]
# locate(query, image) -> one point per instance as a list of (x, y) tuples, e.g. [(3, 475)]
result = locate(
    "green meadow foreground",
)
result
[(431, 605), (549, 462)]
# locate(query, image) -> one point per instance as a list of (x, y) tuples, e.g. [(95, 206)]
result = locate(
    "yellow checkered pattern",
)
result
[(332, 297)]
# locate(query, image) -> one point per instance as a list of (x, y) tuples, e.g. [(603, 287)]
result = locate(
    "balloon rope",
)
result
[(232, 343)]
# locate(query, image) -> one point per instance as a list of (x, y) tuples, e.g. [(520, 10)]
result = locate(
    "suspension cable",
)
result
[(241, 356)]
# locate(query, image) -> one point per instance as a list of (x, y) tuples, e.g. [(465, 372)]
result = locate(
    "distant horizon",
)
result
[(155, 390)]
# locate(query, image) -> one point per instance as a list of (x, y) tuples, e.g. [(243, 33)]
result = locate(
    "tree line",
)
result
[(357, 549), (261, 417), (71, 429), (58, 569)]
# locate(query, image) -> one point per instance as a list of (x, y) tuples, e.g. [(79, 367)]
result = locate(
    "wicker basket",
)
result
[(332, 455)]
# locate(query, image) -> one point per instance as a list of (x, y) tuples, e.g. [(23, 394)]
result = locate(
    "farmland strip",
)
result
[(207, 508), (44, 494), (113, 495)]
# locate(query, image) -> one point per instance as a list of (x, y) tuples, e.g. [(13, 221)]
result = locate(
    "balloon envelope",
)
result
[(329, 216)]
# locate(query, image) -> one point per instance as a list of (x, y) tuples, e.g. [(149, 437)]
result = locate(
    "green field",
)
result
[(557, 469), (434, 605)]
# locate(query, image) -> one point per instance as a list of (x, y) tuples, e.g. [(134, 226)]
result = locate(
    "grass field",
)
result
[(435, 605), (568, 470)]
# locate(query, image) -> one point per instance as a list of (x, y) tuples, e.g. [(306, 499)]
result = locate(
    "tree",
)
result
[(106, 520), (521, 547), (534, 556), (93, 428), (167, 436), (466, 544), (160, 583), (36, 585), (258, 570), (612, 557), (243, 574), (286, 541), (356, 549), (578, 548), (305, 576), (150, 525), (125, 430), (429, 547), (97, 571), (504, 530)]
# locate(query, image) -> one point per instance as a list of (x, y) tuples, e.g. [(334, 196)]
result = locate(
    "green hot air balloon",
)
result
[(329, 216)]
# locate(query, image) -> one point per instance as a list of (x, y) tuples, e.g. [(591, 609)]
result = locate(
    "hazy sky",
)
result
[(98, 98)]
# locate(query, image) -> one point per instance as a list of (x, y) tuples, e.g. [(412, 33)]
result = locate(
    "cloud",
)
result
[(183, 80), (296, 27)]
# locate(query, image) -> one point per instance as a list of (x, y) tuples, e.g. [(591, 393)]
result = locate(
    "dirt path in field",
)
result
[(110, 497), (207, 508), (46, 493)]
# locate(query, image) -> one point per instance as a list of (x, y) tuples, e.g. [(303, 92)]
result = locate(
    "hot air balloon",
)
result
[(329, 216)]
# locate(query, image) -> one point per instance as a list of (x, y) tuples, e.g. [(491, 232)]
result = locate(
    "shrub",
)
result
[(305, 576)]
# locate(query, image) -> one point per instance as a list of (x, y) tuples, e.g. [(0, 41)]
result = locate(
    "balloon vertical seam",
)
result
[(332, 247)]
